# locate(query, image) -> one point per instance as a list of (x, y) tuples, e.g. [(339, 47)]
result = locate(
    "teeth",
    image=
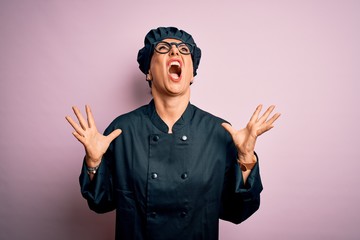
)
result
[(175, 63)]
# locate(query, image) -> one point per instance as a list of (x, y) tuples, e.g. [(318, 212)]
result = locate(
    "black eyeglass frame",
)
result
[(189, 46)]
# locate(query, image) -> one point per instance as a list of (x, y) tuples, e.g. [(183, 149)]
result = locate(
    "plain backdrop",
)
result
[(302, 56)]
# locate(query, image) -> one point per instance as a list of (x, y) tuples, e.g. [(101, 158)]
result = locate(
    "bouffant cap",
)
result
[(161, 33)]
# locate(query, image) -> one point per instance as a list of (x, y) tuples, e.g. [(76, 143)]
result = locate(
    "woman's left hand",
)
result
[(245, 139)]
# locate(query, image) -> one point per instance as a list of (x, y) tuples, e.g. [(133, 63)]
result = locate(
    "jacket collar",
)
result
[(180, 123)]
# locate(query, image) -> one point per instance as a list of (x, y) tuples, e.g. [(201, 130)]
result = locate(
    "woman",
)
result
[(170, 169)]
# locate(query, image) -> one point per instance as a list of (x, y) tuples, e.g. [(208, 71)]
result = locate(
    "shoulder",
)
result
[(207, 116), (130, 118), (209, 127), (208, 124)]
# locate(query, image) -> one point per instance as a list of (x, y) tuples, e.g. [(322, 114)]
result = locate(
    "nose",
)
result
[(174, 50)]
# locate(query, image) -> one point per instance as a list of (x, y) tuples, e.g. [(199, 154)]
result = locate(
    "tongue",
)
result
[(174, 75)]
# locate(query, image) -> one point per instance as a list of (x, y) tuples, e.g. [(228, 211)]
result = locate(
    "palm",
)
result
[(245, 139), (95, 144), (86, 132)]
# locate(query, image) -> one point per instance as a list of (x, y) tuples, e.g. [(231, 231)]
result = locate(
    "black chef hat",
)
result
[(161, 33)]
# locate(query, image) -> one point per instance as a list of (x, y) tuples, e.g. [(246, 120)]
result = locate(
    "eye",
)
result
[(183, 48), (162, 47)]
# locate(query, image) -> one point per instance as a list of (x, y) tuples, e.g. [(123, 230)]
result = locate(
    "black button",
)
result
[(156, 138), (184, 175), (183, 214), (154, 175), (153, 214), (184, 138)]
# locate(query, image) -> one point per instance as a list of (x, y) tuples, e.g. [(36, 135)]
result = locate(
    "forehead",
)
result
[(170, 40)]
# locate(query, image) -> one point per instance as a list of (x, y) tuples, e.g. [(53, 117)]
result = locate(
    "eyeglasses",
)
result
[(165, 47)]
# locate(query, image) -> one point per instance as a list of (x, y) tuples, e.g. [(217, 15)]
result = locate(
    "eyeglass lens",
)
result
[(164, 47)]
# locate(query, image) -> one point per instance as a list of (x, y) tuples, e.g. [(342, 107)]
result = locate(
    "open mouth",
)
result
[(175, 70)]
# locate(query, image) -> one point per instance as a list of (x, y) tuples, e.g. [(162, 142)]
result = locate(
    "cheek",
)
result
[(190, 70), (156, 65)]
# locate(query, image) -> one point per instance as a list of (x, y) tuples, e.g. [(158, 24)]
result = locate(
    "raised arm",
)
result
[(245, 139), (95, 143)]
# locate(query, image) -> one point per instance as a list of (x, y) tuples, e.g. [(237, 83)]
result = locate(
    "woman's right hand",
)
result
[(94, 142)]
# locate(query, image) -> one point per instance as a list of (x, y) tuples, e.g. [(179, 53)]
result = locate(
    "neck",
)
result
[(170, 109)]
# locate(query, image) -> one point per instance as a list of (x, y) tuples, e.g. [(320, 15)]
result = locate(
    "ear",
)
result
[(192, 80), (149, 76)]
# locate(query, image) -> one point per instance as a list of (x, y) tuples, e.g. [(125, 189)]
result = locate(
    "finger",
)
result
[(90, 117), (228, 128), (269, 124), (264, 130), (76, 126), (80, 118), (114, 134), (255, 115), (266, 114), (273, 119), (79, 137)]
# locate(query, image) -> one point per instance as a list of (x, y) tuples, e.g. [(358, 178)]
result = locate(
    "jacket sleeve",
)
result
[(99, 191), (239, 200)]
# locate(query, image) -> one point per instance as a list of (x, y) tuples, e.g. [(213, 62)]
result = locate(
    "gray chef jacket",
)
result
[(171, 186)]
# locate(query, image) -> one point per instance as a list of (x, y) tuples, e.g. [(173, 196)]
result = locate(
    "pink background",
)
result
[(302, 56)]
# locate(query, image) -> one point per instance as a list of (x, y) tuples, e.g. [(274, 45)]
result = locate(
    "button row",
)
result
[(182, 214), (156, 138), (154, 175)]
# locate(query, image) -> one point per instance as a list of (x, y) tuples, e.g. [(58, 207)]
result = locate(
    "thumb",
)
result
[(114, 134), (228, 128)]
